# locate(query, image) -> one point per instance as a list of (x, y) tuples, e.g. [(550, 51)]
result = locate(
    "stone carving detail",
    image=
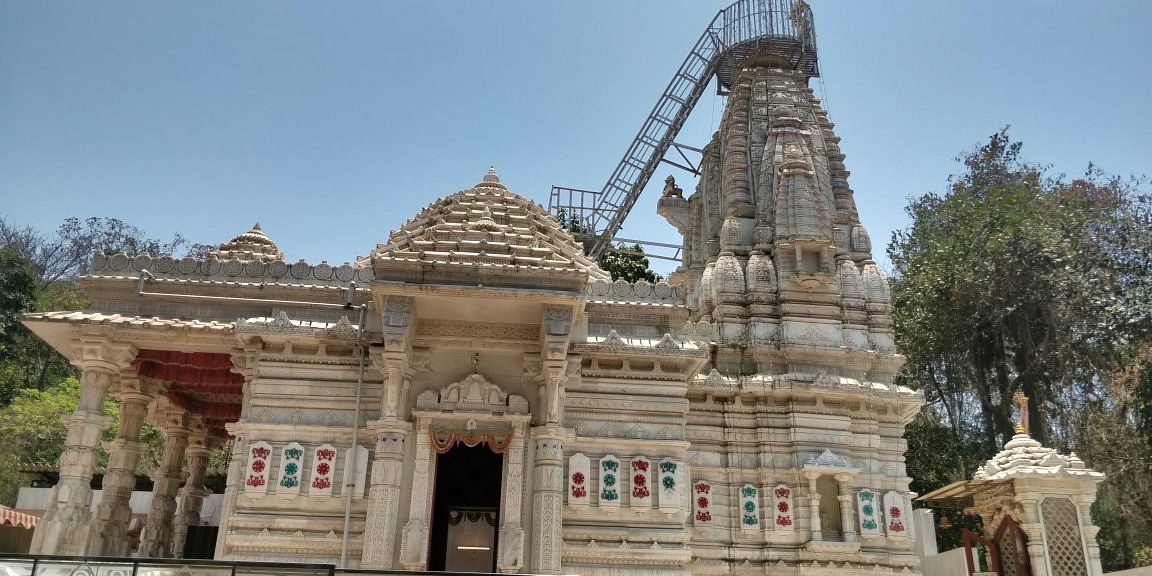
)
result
[(609, 498), (671, 485), (634, 431), (511, 538), (868, 506), (895, 514), (827, 458), (782, 508), (579, 480), (637, 292), (397, 311), (702, 504), (454, 329), (640, 479), (749, 508), (291, 469), (213, 268), (323, 471), (700, 331), (414, 541), (282, 324), (259, 457), (472, 394)]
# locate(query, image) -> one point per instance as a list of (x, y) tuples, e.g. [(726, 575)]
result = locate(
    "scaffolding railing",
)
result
[(745, 30)]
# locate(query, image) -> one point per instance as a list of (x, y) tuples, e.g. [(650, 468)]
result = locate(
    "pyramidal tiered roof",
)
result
[(488, 227), (251, 245), (1023, 456)]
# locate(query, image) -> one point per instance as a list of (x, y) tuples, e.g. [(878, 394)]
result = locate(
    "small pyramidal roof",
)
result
[(485, 226), (1024, 456), (250, 245)]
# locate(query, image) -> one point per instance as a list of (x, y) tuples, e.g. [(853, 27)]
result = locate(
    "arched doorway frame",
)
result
[(470, 408)]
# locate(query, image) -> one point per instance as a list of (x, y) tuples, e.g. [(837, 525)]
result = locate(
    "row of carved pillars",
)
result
[(69, 526)]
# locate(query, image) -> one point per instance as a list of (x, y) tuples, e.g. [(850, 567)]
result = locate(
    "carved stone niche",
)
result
[(472, 394)]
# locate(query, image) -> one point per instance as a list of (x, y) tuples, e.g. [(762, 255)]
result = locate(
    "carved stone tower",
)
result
[(775, 255), (799, 399)]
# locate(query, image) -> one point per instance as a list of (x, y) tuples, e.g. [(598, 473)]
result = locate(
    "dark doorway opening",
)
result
[(201, 542), (466, 510)]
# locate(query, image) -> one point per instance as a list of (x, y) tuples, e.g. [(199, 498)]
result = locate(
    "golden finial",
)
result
[(1022, 425)]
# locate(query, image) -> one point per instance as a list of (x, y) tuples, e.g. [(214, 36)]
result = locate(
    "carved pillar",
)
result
[(551, 391), (1088, 530), (66, 524), (556, 328), (547, 501), (1029, 520), (414, 541), (193, 494), (110, 528), (384, 495), (847, 510), (245, 362), (814, 506), (156, 540), (394, 365), (511, 537), (232, 486)]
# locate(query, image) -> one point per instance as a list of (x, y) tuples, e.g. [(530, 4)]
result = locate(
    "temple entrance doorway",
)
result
[(466, 509)]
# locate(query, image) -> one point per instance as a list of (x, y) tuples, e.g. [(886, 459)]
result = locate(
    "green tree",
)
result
[(17, 294), (1018, 281), (628, 263), (56, 260), (33, 433)]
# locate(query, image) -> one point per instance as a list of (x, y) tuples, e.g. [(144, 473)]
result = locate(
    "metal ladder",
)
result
[(746, 29)]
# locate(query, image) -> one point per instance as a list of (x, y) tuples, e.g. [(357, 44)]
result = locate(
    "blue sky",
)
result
[(333, 122)]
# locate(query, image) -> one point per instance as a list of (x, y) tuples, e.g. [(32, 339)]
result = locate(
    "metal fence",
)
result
[(25, 565)]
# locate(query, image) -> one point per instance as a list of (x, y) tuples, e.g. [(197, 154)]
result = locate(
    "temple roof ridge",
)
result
[(486, 225)]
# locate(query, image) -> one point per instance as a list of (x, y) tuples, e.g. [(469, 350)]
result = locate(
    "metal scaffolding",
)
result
[(746, 30)]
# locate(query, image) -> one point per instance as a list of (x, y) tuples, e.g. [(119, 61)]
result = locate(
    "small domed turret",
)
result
[(251, 245)]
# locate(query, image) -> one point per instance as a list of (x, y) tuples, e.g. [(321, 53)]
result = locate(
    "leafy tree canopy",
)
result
[(627, 262), (1015, 280)]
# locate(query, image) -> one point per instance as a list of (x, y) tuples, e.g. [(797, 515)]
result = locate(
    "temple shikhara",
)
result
[(476, 394)]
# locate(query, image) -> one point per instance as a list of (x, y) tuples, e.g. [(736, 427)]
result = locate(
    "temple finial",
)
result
[(1022, 401)]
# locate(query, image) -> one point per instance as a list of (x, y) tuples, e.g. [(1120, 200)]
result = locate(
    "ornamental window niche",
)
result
[(470, 431), (830, 502)]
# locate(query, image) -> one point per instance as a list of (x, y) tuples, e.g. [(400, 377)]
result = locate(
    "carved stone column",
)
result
[(847, 510), (193, 494), (65, 527), (1088, 530), (547, 501), (1029, 519), (384, 495), (556, 327), (246, 362), (814, 506), (110, 528), (232, 486), (511, 537), (158, 535), (414, 542)]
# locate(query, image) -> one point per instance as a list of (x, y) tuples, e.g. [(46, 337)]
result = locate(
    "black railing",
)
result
[(33, 565)]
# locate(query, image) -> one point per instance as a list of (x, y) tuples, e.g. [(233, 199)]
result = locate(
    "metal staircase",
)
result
[(778, 31)]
